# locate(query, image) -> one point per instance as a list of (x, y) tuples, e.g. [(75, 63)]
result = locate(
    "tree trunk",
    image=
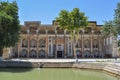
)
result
[(1, 52)]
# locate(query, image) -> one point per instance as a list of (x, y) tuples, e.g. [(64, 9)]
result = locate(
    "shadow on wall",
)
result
[(15, 66), (15, 70)]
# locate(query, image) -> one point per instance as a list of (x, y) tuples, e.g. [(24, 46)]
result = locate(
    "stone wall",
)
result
[(113, 68), (36, 64), (90, 65), (109, 67)]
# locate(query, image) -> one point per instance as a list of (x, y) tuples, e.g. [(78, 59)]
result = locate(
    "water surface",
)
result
[(52, 74)]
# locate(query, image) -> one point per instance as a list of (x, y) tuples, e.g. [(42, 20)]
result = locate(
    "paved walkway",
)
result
[(67, 60)]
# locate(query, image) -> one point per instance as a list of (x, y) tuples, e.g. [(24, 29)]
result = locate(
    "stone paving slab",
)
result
[(66, 60)]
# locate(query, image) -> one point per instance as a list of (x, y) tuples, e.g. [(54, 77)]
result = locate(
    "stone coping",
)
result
[(108, 65), (66, 60)]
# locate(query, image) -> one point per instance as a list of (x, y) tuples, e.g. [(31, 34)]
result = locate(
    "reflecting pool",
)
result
[(52, 74)]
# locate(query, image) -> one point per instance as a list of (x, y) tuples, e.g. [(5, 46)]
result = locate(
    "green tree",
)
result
[(9, 25), (109, 29), (113, 26), (117, 18), (117, 21), (72, 21)]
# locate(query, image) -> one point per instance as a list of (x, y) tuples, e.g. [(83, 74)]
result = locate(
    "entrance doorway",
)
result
[(59, 54)]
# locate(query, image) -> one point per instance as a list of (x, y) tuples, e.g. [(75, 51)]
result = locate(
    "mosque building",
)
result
[(50, 41)]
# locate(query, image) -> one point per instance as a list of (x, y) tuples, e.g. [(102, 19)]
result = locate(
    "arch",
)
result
[(24, 43), (33, 43), (42, 43), (24, 53), (86, 54), (95, 43), (41, 53), (78, 53), (33, 54), (15, 54), (87, 44), (78, 45), (96, 54)]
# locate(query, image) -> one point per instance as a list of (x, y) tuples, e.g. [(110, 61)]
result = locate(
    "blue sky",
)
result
[(46, 10)]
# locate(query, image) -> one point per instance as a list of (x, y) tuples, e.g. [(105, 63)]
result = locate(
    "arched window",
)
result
[(33, 43), (42, 43), (78, 53), (86, 54), (23, 53), (70, 50), (96, 54), (24, 43), (41, 53), (95, 44), (87, 43), (78, 45), (33, 54)]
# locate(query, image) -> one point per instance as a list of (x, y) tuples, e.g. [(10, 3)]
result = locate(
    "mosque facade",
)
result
[(50, 41)]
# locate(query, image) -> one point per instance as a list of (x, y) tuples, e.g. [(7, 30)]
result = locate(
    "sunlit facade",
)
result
[(49, 41)]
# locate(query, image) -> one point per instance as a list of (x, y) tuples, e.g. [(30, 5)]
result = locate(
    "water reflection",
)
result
[(54, 74)]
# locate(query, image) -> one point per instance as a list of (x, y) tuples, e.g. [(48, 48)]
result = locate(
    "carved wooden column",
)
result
[(92, 38), (28, 37), (37, 33), (82, 43), (46, 43), (102, 44), (74, 49), (55, 43), (64, 43), (19, 48), (99, 44)]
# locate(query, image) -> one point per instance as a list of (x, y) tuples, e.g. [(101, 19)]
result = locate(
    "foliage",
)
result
[(113, 27), (9, 24), (117, 18), (109, 29), (71, 21)]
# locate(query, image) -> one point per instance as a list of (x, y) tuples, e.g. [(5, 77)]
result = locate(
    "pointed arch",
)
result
[(24, 53), (33, 43), (33, 54), (78, 45), (42, 43), (87, 43), (96, 54), (95, 43), (41, 53), (86, 54), (24, 43), (78, 53)]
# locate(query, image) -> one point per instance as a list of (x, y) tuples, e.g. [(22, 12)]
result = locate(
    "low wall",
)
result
[(36, 64), (109, 67), (113, 68), (90, 65), (20, 64)]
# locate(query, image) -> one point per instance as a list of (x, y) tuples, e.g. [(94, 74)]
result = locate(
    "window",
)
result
[(33, 43), (24, 43), (49, 49), (78, 45), (42, 43), (87, 44), (95, 44)]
